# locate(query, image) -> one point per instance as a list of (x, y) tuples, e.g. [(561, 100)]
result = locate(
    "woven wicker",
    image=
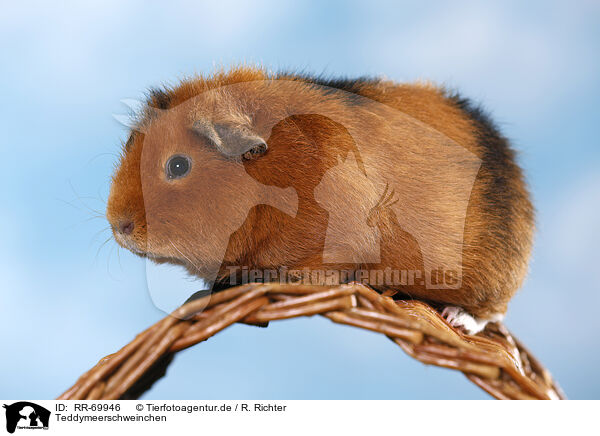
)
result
[(494, 360)]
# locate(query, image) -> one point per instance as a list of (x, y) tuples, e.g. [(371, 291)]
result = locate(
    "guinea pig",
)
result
[(249, 175)]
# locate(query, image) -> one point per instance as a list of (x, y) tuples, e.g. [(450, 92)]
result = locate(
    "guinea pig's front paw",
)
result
[(460, 318)]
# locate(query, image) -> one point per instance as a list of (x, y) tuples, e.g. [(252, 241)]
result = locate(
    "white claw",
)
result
[(460, 318)]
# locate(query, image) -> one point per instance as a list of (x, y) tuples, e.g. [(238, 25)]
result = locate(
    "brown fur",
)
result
[(303, 145)]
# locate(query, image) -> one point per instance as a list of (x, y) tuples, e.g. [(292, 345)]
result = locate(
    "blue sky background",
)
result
[(65, 301)]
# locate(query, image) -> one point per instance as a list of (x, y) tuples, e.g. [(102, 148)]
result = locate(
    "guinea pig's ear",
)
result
[(232, 140)]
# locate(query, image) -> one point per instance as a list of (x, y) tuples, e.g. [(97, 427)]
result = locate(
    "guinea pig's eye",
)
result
[(178, 166)]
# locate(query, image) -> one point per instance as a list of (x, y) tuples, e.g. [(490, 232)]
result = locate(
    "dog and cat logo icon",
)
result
[(26, 415)]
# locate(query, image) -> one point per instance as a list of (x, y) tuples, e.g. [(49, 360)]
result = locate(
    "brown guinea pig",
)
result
[(255, 176)]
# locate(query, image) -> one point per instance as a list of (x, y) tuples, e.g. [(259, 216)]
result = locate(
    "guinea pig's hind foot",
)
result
[(460, 318)]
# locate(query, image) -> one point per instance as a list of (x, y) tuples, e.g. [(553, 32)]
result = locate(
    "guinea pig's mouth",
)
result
[(129, 244), (160, 255), (145, 252)]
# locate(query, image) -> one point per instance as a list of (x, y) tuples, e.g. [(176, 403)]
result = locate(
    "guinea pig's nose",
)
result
[(126, 227)]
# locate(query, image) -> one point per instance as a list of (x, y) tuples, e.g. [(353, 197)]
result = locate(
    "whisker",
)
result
[(119, 257), (83, 203), (98, 233), (108, 263), (113, 154), (87, 208), (100, 248), (98, 217)]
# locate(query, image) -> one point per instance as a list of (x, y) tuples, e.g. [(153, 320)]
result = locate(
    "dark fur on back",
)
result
[(352, 87), (498, 157)]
